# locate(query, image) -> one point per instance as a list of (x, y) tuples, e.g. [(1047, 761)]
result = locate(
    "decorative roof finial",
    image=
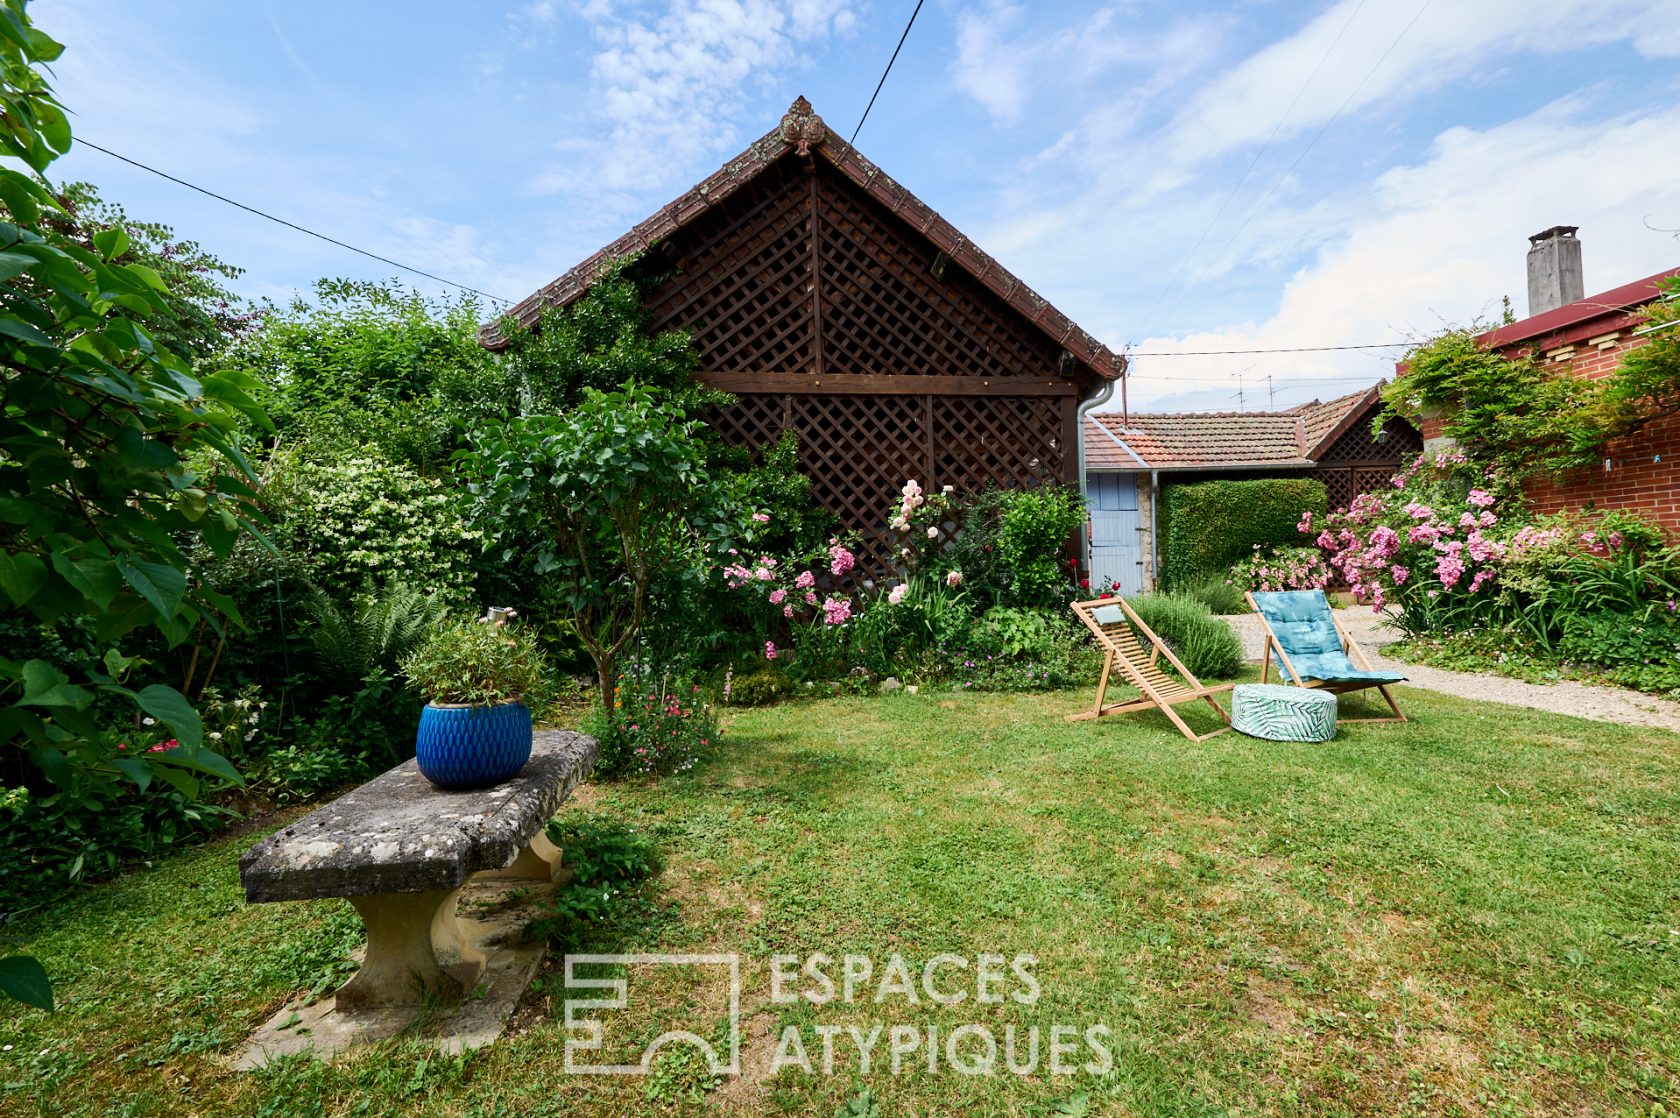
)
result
[(802, 128)]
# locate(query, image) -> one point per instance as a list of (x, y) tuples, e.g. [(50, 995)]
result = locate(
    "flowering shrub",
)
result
[(1451, 548), (1426, 545), (1281, 568), (657, 728), (362, 523)]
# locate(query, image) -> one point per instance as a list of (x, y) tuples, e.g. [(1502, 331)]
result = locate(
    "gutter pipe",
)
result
[(1102, 396)]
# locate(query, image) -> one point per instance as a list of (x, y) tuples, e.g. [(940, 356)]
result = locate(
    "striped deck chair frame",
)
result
[(1122, 635)]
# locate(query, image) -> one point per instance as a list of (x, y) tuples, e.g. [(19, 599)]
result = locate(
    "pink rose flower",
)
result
[(953, 579), (805, 581)]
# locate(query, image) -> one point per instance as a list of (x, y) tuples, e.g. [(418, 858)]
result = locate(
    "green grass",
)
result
[(1475, 913)]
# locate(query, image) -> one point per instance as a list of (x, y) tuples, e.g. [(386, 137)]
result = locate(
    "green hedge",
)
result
[(1208, 525)]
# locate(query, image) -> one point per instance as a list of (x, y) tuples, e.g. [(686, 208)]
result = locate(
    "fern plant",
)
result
[(375, 635)]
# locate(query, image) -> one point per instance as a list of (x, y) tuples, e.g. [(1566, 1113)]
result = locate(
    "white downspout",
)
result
[(1102, 396)]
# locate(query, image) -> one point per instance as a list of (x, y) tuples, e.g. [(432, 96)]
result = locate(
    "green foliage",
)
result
[(1205, 644), (1207, 526), (112, 456), (1514, 411), (605, 857), (204, 315), (375, 367), (889, 636), (599, 342), (657, 727), (1219, 595), (1016, 632), (1011, 544), (24, 979), (1646, 385), (1279, 568), (759, 688), (373, 636), (1524, 415), (1641, 651), (1010, 649), (88, 832), (479, 664), (777, 488), (622, 495), (359, 525)]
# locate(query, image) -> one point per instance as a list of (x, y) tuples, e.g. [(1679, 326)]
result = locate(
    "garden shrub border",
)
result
[(1207, 526)]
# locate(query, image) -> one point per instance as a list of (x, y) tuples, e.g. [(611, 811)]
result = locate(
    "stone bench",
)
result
[(399, 849)]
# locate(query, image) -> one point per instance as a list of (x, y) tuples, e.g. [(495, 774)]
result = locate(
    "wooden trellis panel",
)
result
[(800, 281), (885, 310), (742, 279)]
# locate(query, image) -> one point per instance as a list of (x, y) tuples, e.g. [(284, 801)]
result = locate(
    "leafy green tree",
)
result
[(1646, 385), (204, 315), (112, 454), (599, 341), (619, 487), (376, 365)]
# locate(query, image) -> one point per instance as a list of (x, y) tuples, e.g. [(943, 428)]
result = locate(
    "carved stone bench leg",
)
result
[(539, 861), (415, 949)]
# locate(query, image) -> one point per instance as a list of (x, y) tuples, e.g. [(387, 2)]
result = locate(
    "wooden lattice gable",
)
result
[(762, 171)]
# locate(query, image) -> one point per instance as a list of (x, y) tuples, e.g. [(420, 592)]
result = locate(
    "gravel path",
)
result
[(1602, 704)]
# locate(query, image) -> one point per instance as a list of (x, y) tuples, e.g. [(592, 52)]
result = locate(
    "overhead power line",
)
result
[(884, 73), (291, 224), (1166, 288), (1319, 135), (1281, 349)]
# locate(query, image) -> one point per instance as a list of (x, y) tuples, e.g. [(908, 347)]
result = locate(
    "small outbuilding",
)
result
[(834, 303), (1129, 459)]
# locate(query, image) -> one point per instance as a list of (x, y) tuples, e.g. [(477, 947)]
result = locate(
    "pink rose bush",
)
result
[(1282, 568), (1425, 546)]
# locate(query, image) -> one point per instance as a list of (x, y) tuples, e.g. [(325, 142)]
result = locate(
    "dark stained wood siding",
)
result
[(827, 314)]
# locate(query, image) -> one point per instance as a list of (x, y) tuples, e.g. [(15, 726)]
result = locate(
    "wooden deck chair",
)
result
[(1313, 650), (1122, 635)]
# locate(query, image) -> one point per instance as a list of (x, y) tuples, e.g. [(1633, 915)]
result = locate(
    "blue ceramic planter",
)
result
[(473, 747)]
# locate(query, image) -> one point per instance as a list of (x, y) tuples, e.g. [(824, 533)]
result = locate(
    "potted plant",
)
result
[(476, 676)]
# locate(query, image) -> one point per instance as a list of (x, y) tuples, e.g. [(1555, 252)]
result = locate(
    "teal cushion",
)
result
[(1263, 710), (1301, 622)]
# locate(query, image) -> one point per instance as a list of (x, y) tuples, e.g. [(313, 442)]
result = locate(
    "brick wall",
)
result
[(1643, 471)]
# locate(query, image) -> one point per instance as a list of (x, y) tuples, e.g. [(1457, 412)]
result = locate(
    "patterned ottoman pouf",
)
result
[(1265, 710)]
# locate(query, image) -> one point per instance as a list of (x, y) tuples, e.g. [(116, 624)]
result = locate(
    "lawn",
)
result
[(1475, 913)]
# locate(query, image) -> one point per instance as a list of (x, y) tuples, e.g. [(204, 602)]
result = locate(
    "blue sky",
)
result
[(1175, 176)]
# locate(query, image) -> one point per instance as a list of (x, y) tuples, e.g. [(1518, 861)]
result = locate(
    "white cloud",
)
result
[(665, 85), (1440, 242), (1448, 41)]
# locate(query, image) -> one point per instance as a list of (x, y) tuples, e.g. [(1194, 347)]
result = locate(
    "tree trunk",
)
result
[(606, 677)]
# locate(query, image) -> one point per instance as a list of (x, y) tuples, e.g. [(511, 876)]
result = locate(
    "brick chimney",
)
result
[(1554, 269)]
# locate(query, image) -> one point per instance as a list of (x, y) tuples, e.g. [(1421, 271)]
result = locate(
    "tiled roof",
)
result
[(1201, 440), (1325, 421), (1584, 318), (801, 129), (1213, 440)]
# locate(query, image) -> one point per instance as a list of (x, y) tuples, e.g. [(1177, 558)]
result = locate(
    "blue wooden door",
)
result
[(1116, 536)]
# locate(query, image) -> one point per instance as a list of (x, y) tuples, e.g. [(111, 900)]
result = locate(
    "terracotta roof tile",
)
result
[(878, 184), (1326, 420), (1207, 440), (1212, 440)]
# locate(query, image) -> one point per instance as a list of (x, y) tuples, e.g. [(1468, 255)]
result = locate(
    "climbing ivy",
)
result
[(1529, 416)]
